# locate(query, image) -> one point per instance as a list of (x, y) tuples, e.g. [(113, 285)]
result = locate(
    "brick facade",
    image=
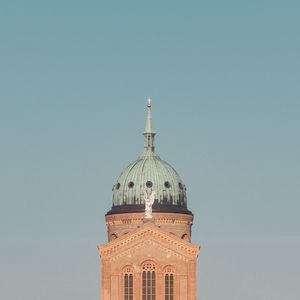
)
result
[(148, 244)]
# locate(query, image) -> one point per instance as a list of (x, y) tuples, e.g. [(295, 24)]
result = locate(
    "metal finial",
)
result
[(149, 133)]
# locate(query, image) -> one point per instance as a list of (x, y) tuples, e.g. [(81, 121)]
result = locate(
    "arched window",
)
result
[(169, 283), (149, 281), (128, 283)]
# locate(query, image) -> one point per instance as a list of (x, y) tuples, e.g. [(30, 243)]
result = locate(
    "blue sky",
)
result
[(224, 78)]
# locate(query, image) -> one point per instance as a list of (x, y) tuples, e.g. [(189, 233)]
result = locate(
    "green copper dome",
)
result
[(149, 173)]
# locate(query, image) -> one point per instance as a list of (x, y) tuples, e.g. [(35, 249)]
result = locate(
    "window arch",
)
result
[(169, 283), (128, 283), (148, 281), (185, 237), (113, 236)]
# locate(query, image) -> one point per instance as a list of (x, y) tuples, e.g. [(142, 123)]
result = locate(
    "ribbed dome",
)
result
[(149, 173)]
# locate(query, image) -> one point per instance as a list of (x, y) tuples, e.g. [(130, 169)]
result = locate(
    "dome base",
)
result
[(122, 209)]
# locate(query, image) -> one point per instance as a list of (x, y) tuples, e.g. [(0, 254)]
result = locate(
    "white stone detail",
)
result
[(149, 200)]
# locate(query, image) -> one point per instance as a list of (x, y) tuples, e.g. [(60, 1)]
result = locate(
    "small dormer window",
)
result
[(167, 184), (149, 184), (131, 184)]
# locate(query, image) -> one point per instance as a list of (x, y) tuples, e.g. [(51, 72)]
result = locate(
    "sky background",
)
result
[(224, 78)]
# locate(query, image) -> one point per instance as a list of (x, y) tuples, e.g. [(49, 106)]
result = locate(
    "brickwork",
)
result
[(150, 244), (177, 224)]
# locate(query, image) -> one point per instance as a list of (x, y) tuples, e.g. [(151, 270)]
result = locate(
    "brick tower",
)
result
[(149, 255)]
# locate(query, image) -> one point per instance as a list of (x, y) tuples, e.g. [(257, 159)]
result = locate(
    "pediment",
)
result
[(149, 235)]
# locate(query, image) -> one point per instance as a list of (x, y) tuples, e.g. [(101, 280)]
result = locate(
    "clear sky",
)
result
[(224, 77)]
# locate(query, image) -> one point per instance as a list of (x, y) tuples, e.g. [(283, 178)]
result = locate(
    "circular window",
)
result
[(167, 184), (180, 185), (118, 185), (130, 184), (149, 184)]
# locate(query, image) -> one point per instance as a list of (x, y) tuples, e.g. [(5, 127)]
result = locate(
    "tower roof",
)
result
[(149, 173)]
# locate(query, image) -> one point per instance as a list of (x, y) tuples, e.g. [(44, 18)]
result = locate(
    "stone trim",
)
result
[(152, 234)]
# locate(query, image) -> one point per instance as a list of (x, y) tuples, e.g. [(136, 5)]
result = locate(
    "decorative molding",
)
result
[(137, 219), (148, 234)]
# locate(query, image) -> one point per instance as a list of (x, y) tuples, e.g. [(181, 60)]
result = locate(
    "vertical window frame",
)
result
[(128, 283), (148, 281), (169, 283)]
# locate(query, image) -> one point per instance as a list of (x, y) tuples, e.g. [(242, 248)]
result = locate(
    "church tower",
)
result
[(149, 255)]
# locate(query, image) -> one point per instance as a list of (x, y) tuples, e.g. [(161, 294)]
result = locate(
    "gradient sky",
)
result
[(224, 78)]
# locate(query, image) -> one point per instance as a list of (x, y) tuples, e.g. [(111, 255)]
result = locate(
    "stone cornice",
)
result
[(160, 218)]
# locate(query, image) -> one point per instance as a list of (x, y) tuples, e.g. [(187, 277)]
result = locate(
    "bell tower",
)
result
[(149, 255)]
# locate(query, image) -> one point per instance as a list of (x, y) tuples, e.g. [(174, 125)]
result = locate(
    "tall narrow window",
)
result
[(144, 285), (126, 287), (148, 281), (128, 283), (153, 285), (130, 287), (171, 287), (169, 284)]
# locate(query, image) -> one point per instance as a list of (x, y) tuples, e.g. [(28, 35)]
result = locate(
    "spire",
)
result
[(149, 118), (149, 132)]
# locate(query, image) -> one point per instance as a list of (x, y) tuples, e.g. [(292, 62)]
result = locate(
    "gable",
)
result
[(152, 237)]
